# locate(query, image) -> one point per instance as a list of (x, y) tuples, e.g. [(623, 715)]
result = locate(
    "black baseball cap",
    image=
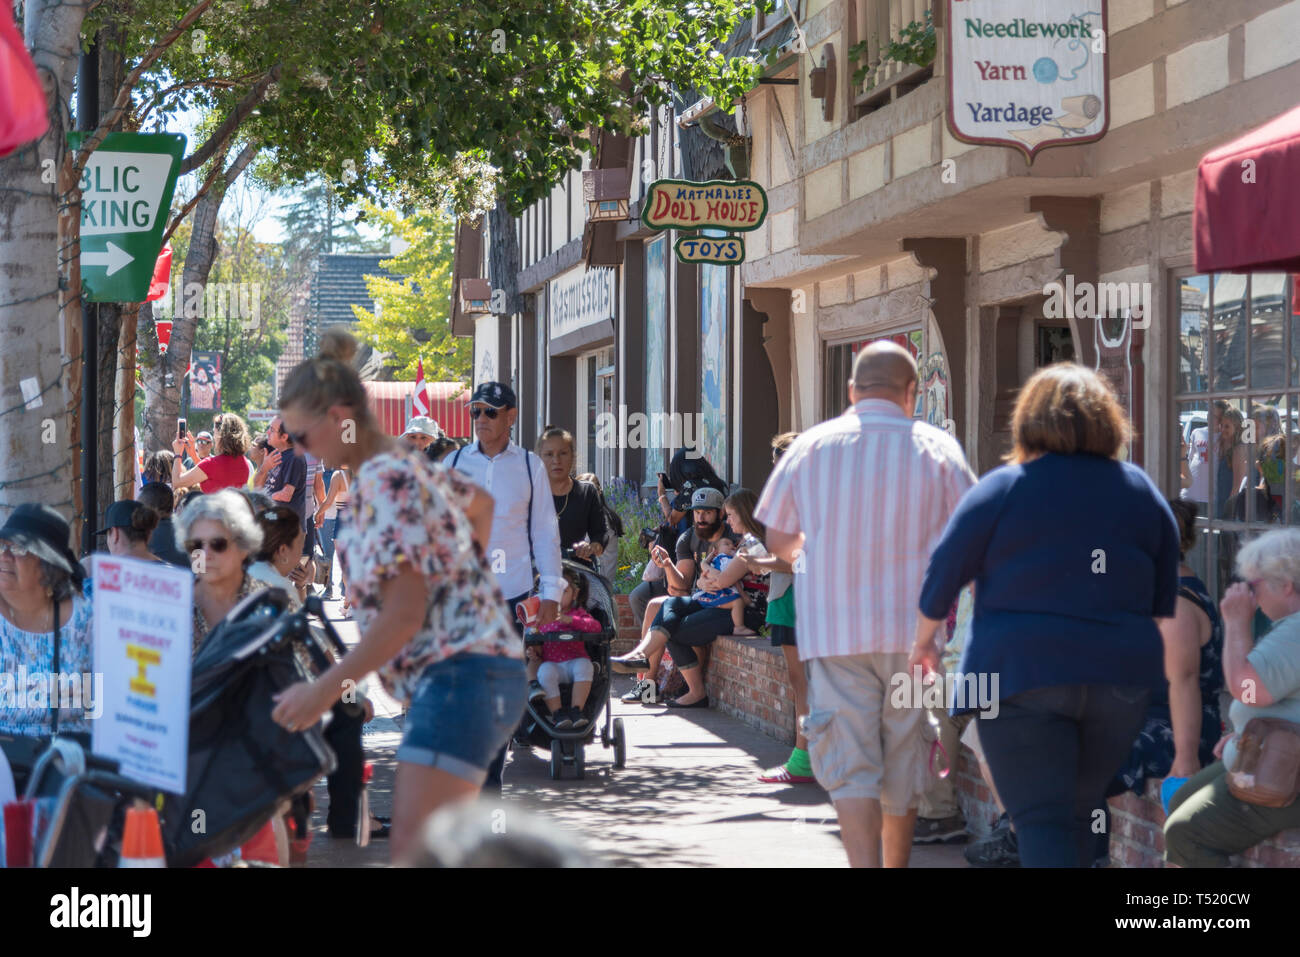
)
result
[(119, 515), (46, 533), (495, 395)]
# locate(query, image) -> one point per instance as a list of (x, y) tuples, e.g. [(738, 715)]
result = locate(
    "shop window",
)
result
[(1236, 375), (839, 369)]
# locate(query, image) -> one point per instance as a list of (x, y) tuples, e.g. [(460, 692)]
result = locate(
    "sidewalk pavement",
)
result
[(689, 796)]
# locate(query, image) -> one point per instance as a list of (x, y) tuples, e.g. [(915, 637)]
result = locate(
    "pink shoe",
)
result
[(782, 775)]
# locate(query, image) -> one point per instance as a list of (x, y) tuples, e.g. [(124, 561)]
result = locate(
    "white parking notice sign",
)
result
[(142, 634)]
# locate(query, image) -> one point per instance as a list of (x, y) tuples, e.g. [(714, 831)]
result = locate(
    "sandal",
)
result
[(744, 633)]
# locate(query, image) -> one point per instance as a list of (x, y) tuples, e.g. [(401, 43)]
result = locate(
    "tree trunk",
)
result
[(110, 327), (503, 267), (124, 452), (36, 402), (162, 384), (163, 379)]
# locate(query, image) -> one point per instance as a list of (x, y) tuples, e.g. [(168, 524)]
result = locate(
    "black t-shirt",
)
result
[(691, 547), (163, 544), (580, 515), (292, 470)]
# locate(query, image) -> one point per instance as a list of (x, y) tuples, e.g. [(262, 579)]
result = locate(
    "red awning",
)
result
[(390, 402), (1247, 216)]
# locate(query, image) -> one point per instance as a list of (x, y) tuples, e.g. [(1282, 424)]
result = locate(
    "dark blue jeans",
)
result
[(1052, 752), (688, 626)]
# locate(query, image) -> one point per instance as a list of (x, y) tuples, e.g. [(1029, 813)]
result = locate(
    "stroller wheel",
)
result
[(557, 759), (620, 745), (579, 761)]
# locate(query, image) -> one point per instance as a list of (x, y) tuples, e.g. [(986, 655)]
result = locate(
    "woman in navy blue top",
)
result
[(1074, 555)]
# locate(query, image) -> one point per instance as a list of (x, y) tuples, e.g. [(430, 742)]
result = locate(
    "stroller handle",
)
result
[(316, 607)]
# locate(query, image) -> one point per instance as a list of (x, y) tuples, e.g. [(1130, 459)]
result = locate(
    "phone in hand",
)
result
[(663, 477), (180, 428)]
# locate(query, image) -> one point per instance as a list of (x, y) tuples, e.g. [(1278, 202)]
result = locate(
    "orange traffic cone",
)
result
[(142, 842)]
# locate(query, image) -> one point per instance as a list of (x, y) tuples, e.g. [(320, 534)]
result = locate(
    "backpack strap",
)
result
[(528, 470), (56, 661)]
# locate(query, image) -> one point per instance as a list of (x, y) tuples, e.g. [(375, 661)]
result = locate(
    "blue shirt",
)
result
[(1072, 557)]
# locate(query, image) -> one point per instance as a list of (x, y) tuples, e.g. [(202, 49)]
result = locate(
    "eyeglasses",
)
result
[(14, 549), (490, 413), (218, 545), (1254, 582)]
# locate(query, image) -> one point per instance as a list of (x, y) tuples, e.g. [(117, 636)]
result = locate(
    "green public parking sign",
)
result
[(126, 194)]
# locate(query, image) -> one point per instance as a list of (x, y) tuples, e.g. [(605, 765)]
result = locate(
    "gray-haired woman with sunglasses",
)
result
[(220, 535)]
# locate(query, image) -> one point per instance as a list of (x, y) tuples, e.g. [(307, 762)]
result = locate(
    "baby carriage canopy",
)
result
[(241, 763), (600, 594)]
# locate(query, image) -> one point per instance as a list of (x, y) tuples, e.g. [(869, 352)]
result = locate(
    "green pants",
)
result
[(1206, 824)]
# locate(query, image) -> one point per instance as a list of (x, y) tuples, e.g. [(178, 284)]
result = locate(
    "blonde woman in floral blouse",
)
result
[(431, 617)]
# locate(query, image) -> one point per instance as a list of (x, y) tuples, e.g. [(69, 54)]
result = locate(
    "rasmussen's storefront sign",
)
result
[(736, 206), (579, 298), (1028, 74)]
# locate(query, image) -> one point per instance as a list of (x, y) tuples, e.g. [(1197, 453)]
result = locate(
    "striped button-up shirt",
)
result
[(871, 491)]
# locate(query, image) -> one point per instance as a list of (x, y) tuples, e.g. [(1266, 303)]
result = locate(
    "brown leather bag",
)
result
[(1267, 766)]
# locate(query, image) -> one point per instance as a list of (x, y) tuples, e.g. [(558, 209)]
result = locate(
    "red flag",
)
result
[(162, 275), (420, 404), (164, 329), (24, 115)]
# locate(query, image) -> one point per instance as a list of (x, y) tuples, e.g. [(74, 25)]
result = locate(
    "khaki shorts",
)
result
[(859, 744)]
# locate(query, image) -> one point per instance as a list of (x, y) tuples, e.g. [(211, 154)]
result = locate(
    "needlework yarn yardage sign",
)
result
[(1029, 74)]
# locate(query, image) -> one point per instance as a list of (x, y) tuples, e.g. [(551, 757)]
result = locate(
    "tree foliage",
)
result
[(411, 320), (432, 101)]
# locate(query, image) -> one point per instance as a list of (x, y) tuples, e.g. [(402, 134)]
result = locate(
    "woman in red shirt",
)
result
[(226, 469)]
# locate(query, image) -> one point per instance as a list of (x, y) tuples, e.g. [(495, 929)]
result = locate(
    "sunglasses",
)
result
[(218, 545), (490, 413), (14, 549), (300, 438)]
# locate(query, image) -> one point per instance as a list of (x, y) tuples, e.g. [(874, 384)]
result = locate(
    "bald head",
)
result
[(883, 370)]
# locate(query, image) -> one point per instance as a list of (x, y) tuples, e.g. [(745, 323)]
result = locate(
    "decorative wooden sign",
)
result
[(732, 205), (724, 251), (1027, 73)]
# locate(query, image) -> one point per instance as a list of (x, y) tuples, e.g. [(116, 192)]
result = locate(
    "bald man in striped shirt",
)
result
[(856, 505)]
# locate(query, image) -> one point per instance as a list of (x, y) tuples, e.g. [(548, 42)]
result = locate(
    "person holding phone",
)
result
[(227, 468)]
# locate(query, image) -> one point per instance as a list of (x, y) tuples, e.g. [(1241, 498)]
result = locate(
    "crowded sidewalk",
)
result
[(687, 798)]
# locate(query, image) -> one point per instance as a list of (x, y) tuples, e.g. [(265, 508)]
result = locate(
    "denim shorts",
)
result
[(462, 713)]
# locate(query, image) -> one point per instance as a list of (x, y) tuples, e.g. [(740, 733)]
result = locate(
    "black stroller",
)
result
[(241, 764), (568, 745)]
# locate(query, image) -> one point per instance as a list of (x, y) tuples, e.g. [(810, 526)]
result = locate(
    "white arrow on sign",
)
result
[(115, 257)]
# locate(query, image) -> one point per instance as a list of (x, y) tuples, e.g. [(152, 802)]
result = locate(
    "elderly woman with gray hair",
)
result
[(1206, 822), (44, 620), (221, 536)]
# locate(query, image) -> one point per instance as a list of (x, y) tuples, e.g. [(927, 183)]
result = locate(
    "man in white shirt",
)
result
[(525, 531)]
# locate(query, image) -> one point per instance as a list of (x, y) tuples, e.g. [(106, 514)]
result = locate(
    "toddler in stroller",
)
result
[(552, 661)]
